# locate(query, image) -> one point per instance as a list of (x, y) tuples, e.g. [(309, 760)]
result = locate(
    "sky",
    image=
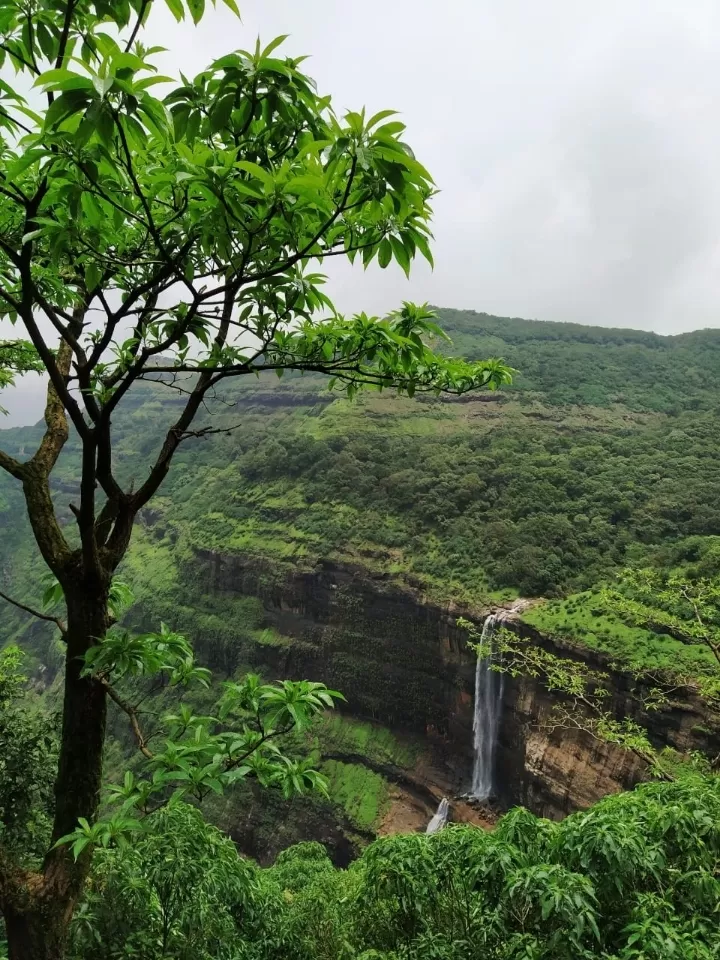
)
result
[(575, 146)]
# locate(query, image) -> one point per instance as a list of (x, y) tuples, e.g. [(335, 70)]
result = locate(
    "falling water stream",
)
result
[(486, 719), (441, 817)]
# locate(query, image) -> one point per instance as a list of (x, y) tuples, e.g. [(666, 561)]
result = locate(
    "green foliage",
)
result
[(589, 619), (202, 754), (28, 748), (663, 624), (635, 876), (362, 793), (240, 178), (686, 609), (179, 891), (601, 367), (17, 357), (467, 498)]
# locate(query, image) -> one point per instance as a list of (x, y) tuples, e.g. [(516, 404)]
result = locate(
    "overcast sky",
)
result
[(576, 145)]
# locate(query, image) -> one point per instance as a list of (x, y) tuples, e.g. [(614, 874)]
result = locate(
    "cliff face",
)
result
[(401, 660), (556, 771)]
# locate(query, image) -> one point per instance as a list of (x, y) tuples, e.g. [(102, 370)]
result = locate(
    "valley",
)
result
[(340, 541)]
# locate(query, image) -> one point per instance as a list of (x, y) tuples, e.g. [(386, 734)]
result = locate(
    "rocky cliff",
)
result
[(401, 661)]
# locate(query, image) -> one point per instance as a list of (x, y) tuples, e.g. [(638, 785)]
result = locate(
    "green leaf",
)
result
[(27, 159), (105, 126), (180, 117), (93, 276), (273, 45), (242, 187), (221, 113), (103, 84), (197, 9), (384, 253), (376, 118), (424, 247), (54, 76), (256, 171), (91, 208), (31, 235), (46, 40), (176, 9), (401, 254), (390, 129), (79, 846), (67, 104)]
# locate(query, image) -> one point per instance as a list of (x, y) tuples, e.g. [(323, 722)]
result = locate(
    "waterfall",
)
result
[(441, 817), (488, 702)]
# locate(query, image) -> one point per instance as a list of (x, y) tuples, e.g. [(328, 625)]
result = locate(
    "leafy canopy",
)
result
[(632, 878), (183, 229)]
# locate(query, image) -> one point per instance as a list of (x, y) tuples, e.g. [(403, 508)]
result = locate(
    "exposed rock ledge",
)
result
[(401, 660)]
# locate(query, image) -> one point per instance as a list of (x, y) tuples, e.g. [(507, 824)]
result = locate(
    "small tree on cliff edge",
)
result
[(173, 237)]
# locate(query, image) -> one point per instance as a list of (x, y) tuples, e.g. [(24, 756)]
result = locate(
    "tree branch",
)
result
[(138, 24), (70, 9), (129, 710), (35, 613), (20, 59), (11, 465), (172, 438), (56, 425)]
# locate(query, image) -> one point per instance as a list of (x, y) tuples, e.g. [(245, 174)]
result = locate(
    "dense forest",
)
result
[(546, 488)]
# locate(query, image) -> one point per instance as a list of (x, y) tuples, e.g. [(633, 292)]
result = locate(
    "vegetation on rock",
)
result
[(191, 227)]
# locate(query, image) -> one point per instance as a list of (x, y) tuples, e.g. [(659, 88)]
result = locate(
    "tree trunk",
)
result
[(36, 935), (38, 916), (79, 778)]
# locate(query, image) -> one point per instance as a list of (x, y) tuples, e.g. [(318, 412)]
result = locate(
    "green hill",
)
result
[(604, 446), (603, 453)]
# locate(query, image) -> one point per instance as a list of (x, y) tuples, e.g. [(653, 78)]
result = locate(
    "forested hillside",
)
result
[(603, 453)]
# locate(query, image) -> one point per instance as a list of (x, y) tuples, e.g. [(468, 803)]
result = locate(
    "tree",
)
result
[(684, 607), (681, 605), (174, 240)]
